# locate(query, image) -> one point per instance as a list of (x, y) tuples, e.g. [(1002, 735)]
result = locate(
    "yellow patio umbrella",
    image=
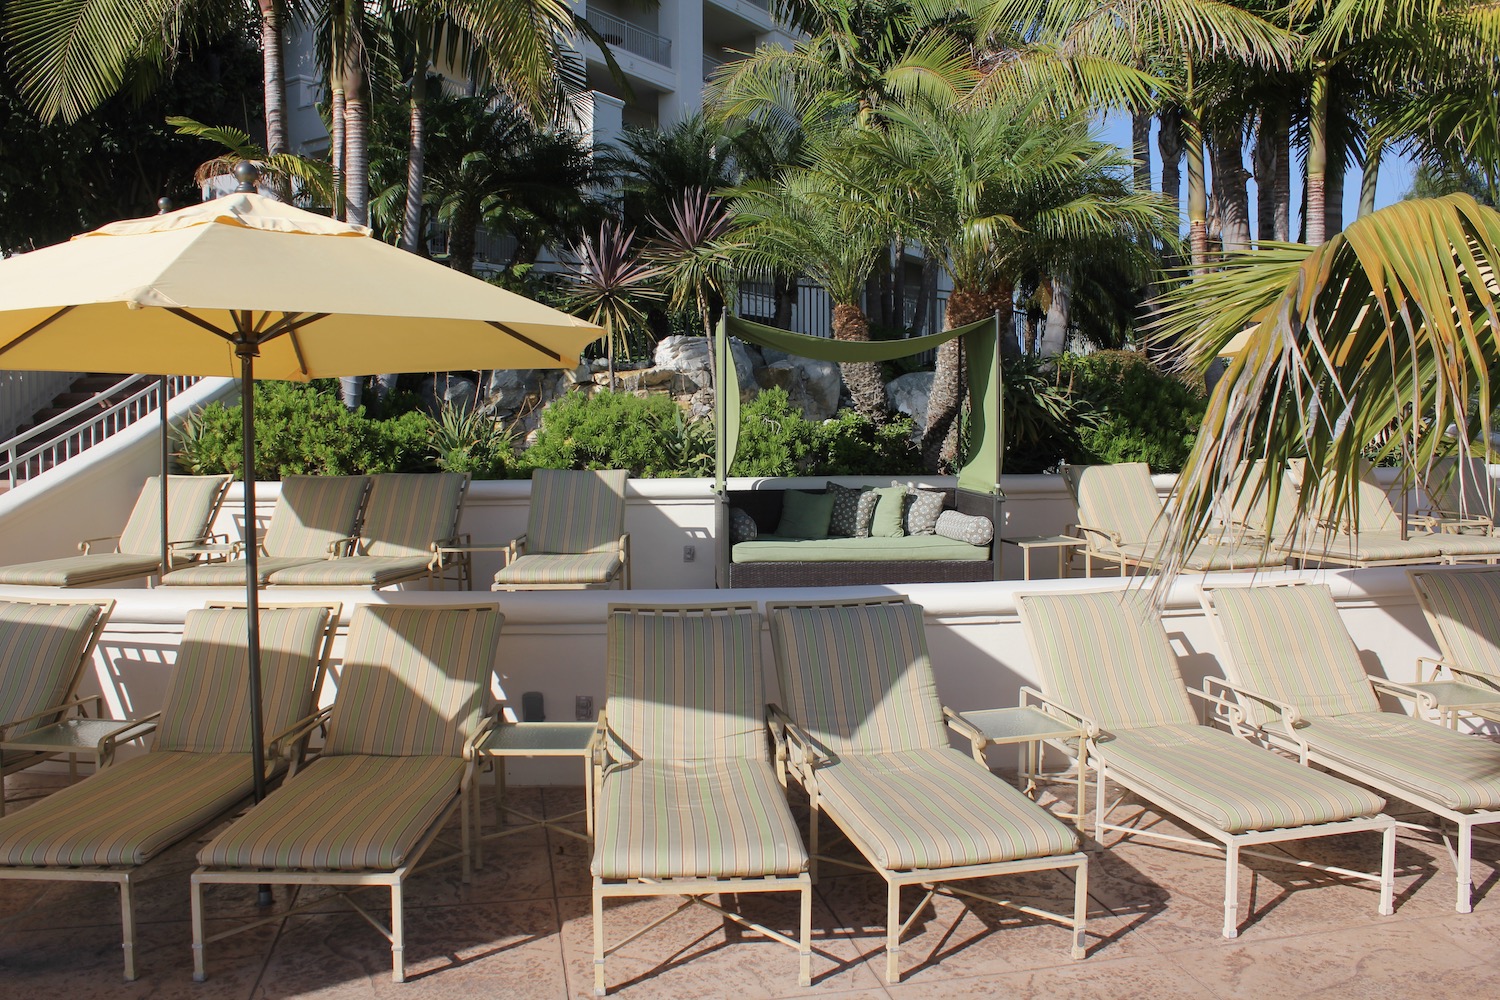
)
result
[(248, 287)]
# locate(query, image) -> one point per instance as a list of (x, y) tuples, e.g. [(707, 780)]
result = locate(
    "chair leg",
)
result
[(813, 817), (127, 928), (200, 963), (1465, 866), (893, 933), (1388, 871), (804, 951), (599, 988), (1099, 794), (1080, 910), (1231, 890), (398, 936)]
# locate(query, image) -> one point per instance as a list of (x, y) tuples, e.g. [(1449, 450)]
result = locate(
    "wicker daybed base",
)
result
[(857, 574)]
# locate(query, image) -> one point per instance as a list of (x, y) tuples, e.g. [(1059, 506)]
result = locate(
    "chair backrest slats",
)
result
[(408, 512), (1289, 642), (1117, 498), (191, 503), (207, 705), (415, 681), (42, 650), (575, 512), (313, 512), (686, 684), (1463, 608), (856, 675), (1107, 656)]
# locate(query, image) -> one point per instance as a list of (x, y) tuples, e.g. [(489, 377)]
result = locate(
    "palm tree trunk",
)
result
[(1333, 181), (1169, 144), (461, 238), (898, 283), (351, 70), (965, 305), (1273, 175), (1230, 190), (411, 222), (1059, 317), (336, 149), (1197, 194), (1140, 149), (275, 73), (1370, 177), (862, 377), (1317, 159)]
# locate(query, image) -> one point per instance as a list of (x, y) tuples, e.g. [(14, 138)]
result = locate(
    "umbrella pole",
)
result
[(252, 572), (166, 461)]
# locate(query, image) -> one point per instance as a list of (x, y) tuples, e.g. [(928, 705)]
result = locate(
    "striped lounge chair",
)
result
[(1301, 686), (314, 520), (575, 534), (44, 648), (1120, 520), (107, 826), (1462, 605), (1105, 661), (1461, 497), (192, 502), (409, 532), (399, 759), (863, 732), (687, 800)]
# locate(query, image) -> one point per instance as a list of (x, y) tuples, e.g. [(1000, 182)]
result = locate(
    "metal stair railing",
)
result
[(23, 457)]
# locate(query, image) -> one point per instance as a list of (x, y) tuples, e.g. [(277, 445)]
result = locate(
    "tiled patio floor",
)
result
[(522, 930)]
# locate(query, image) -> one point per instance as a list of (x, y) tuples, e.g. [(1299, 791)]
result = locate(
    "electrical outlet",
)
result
[(583, 707), (689, 553)]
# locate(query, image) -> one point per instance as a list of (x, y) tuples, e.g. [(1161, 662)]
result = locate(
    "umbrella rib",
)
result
[(199, 321), (525, 340), (38, 328)]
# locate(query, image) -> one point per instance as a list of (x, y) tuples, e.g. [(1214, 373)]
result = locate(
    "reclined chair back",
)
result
[(407, 513), (1116, 498), (1463, 609), (44, 648), (192, 502), (574, 512), (312, 513)]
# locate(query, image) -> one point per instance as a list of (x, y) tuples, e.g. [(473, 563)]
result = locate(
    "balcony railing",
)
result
[(710, 67), (618, 32)]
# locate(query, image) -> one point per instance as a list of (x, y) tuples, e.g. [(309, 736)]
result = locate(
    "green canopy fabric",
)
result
[(981, 470)]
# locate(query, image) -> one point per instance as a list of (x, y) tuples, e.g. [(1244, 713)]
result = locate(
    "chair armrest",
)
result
[(96, 699), (1088, 533), (87, 545), (1227, 710), (800, 749), (298, 731), (128, 732), (1032, 698), (472, 744), (1437, 663), (1291, 717), (342, 546), (956, 722), (1477, 679), (1425, 701)]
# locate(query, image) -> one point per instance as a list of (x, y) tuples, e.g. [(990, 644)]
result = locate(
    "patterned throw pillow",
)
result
[(971, 528), (845, 522), (742, 527), (864, 514), (923, 510)]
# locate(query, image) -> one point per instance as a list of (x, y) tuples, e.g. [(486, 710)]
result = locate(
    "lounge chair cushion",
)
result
[(1234, 785), (81, 571), (232, 573), (408, 512), (1467, 546), (586, 568), (1205, 557), (1117, 498), (415, 681), (1290, 643), (1370, 546), (207, 705), (353, 571), (1465, 608), (343, 814), (936, 808), (685, 687), (40, 649), (127, 813), (1096, 658), (312, 513), (574, 512), (190, 503), (859, 681), (911, 548), (700, 818), (1459, 770)]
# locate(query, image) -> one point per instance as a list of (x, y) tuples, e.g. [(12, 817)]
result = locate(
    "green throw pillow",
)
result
[(890, 512), (805, 515)]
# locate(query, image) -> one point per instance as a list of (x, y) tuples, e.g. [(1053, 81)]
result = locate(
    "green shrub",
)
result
[(1142, 414), (777, 440), (615, 430), (465, 440)]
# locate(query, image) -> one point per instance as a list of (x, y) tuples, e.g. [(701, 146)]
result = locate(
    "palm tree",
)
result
[(610, 285), (1389, 324), (692, 253), (825, 221)]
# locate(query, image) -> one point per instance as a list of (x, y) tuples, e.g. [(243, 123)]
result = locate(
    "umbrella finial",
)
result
[(163, 205), (247, 174)]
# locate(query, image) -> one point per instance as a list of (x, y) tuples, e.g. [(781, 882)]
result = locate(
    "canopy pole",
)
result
[(166, 462)]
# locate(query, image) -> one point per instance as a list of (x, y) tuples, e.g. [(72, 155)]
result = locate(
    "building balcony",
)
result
[(620, 33)]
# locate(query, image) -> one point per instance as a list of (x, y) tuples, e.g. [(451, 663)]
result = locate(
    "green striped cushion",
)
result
[(1106, 655), (232, 573), (1207, 556), (1373, 502), (590, 568), (1290, 643), (1371, 546), (313, 512), (686, 686), (1465, 615), (126, 813), (936, 809), (857, 677), (575, 511), (207, 705), (191, 501), (1468, 490), (686, 819), (41, 652), (1251, 498), (1234, 785), (415, 681), (1467, 546), (1117, 498), (1459, 770), (407, 513), (341, 813), (352, 571), (79, 571)]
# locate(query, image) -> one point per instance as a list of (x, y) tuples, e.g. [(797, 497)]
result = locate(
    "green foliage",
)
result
[(1043, 419), (617, 430), (304, 430), (1142, 414), (777, 440), (465, 440)]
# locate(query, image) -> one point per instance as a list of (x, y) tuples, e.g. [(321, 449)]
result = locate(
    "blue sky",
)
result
[(1395, 175)]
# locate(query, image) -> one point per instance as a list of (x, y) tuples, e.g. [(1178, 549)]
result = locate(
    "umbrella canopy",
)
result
[(250, 287)]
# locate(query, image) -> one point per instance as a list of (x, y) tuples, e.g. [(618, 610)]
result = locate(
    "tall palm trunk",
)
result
[(1197, 207), (336, 148), (1333, 181), (1169, 144), (1313, 213), (411, 222), (275, 74), (965, 305), (1273, 174), (1370, 177), (1229, 189), (862, 377), (1140, 149)]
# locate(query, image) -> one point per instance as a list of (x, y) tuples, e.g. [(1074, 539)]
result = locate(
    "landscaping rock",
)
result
[(909, 394), (448, 390), (812, 386), (506, 390), (690, 356)]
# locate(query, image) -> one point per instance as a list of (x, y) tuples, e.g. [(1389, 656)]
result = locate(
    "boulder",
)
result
[(689, 356), (812, 386), (506, 389), (909, 394), (448, 390)]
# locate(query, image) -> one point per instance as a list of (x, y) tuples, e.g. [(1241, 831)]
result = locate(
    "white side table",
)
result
[(1064, 544)]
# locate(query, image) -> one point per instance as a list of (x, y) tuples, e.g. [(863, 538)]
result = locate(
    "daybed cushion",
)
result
[(805, 515), (845, 522), (912, 548), (890, 512)]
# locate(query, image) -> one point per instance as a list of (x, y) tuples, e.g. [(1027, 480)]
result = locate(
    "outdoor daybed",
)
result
[(817, 553)]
